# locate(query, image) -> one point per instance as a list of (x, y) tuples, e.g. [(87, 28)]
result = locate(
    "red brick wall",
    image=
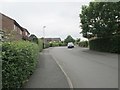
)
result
[(7, 23), (9, 27)]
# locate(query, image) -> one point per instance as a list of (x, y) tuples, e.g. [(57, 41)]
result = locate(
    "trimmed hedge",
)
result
[(55, 44), (19, 60), (83, 44), (109, 44), (40, 44)]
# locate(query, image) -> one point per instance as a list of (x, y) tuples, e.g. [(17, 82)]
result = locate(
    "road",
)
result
[(87, 69)]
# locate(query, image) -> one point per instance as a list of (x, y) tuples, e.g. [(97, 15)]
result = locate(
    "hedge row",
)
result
[(54, 44), (110, 44), (19, 60), (83, 44), (40, 44)]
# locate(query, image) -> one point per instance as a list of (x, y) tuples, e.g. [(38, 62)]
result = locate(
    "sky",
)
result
[(61, 18)]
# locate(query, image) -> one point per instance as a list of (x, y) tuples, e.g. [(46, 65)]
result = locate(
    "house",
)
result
[(25, 34), (52, 40), (12, 30)]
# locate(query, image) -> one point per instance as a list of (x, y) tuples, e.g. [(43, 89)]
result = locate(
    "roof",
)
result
[(53, 39), (16, 23), (25, 30), (6, 16)]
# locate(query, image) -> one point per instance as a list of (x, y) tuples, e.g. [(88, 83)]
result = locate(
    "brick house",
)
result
[(25, 32), (52, 40), (12, 30)]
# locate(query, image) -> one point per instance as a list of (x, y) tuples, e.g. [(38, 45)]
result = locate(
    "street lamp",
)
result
[(44, 36)]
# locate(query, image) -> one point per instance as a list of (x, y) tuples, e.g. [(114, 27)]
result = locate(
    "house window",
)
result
[(14, 27), (26, 33)]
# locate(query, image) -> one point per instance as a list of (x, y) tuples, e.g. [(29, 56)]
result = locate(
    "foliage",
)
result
[(109, 44), (100, 19), (19, 60), (40, 44), (62, 43), (47, 45), (11, 35), (77, 41), (83, 44), (54, 44), (33, 38), (69, 39)]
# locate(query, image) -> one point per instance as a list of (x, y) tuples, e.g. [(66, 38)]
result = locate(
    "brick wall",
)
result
[(7, 24), (9, 27)]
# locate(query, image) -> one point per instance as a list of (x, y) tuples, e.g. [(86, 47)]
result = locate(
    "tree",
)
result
[(69, 39), (33, 38), (78, 40), (100, 19)]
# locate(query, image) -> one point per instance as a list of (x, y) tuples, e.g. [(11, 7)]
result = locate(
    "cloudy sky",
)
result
[(60, 18)]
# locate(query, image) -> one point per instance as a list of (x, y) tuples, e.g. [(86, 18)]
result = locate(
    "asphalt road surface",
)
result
[(87, 69)]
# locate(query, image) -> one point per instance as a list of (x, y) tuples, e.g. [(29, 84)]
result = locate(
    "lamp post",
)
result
[(44, 36)]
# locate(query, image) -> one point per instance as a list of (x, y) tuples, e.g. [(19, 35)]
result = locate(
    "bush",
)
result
[(62, 44), (19, 60), (40, 44), (110, 44), (47, 45), (83, 44), (55, 44), (33, 38)]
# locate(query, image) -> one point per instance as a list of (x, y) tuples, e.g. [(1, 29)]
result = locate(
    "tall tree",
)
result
[(100, 19), (33, 38), (69, 39)]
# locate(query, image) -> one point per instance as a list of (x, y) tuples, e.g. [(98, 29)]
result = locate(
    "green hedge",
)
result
[(19, 60), (110, 44), (54, 44), (83, 44), (40, 44)]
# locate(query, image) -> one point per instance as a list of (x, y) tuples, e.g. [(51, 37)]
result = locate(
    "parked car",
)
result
[(70, 45)]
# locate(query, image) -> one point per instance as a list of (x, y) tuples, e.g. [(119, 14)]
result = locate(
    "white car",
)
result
[(70, 45)]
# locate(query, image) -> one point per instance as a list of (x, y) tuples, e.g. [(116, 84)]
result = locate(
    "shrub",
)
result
[(19, 60), (33, 38), (47, 45), (83, 44), (54, 44), (40, 44), (62, 44), (109, 44)]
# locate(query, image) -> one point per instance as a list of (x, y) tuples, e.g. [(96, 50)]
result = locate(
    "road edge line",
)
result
[(68, 79)]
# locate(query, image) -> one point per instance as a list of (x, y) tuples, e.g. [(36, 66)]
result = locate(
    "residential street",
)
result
[(84, 68), (88, 69)]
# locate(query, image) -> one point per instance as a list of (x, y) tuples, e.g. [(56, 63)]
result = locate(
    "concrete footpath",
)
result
[(47, 74)]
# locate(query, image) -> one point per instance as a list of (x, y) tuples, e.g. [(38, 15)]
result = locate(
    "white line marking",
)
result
[(68, 79)]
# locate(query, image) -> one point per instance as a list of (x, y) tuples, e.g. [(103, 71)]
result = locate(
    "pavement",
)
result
[(47, 74)]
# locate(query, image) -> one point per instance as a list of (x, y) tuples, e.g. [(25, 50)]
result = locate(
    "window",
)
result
[(20, 32)]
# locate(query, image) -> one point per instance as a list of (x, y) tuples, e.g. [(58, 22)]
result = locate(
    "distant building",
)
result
[(52, 40), (12, 30)]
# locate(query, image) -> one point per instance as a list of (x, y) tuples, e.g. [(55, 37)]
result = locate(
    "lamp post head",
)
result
[(44, 26)]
